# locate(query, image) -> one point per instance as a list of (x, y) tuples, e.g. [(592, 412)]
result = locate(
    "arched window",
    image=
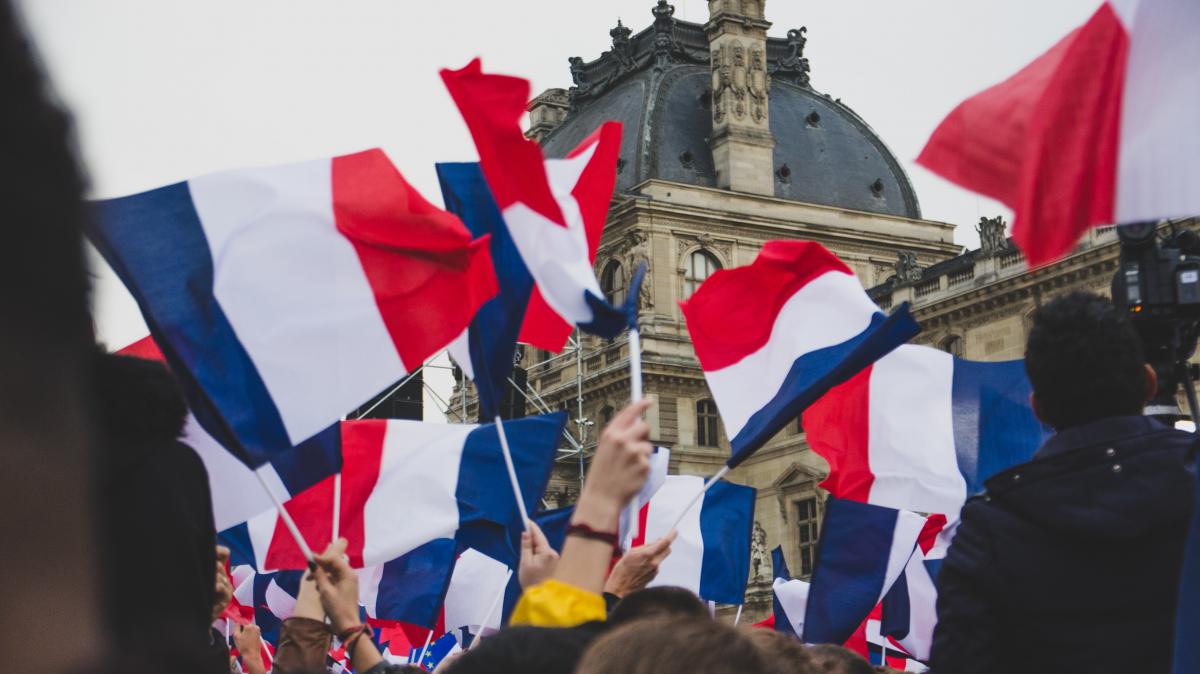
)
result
[(953, 345), (612, 283), (700, 265), (707, 424)]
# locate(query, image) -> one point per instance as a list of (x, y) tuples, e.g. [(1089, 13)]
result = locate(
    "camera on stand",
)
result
[(1158, 287)]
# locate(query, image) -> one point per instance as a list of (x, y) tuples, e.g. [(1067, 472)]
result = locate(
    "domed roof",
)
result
[(657, 83)]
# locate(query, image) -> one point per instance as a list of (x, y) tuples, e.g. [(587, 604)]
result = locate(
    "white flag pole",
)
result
[(738, 618), (700, 494), (492, 609), (421, 655), (287, 520), (267, 649), (512, 474), (635, 386), (337, 505)]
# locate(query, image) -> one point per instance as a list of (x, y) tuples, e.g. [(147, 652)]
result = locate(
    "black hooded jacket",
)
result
[(157, 533), (1071, 562)]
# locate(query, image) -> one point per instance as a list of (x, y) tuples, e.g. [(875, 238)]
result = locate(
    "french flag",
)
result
[(282, 297), (711, 555), (775, 335), (909, 609), (554, 209), (477, 581), (1100, 129), (411, 588), (789, 597), (237, 494), (922, 430), (863, 550), (406, 483)]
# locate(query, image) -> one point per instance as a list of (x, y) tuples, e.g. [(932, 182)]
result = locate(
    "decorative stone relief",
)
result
[(760, 559), (992, 239), (794, 66)]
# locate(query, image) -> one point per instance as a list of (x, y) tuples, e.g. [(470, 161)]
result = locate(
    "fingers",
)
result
[(630, 414), (538, 540), (527, 543), (333, 560), (222, 555)]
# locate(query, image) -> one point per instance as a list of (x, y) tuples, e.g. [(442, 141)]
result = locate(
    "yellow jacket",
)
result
[(557, 604)]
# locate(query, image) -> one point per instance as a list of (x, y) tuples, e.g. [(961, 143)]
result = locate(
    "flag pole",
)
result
[(635, 387), (492, 609), (738, 618), (512, 474), (266, 649), (287, 520), (337, 505), (700, 494), (421, 655)]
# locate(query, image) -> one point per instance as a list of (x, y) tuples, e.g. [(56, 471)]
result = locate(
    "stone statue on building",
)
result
[(794, 66), (992, 239), (907, 270), (760, 559), (622, 48)]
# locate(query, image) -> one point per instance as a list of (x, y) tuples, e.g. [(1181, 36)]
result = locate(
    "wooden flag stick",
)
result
[(700, 494), (287, 520), (512, 473)]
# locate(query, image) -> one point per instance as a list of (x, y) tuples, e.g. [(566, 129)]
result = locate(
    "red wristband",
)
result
[(584, 531), (349, 632)]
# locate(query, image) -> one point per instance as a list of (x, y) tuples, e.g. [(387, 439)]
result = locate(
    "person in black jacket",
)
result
[(1071, 562), (158, 539)]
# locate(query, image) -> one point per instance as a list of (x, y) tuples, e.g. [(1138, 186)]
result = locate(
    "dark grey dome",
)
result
[(660, 91)]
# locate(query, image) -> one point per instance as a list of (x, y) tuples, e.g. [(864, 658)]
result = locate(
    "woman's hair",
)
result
[(672, 645), (784, 654)]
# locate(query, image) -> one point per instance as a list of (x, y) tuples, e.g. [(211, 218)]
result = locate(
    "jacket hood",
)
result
[(1117, 479)]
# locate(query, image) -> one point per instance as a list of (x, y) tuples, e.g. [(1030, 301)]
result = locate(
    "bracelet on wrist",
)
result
[(584, 531)]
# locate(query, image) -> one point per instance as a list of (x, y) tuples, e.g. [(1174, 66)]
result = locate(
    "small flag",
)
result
[(864, 548), (789, 597)]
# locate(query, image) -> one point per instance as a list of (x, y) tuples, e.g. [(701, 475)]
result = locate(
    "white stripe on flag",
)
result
[(415, 499), (911, 432), (476, 581), (682, 567), (294, 291), (904, 543)]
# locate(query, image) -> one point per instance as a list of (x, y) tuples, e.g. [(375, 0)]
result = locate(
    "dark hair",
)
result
[(831, 659), (658, 601), (783, 652), (517, 650), (672, 645), (137, 400), (1085, 361)]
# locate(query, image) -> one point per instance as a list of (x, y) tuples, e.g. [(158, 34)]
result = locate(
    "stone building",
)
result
[(728, 145)]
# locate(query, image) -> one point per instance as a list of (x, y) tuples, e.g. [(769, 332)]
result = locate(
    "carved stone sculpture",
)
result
[(758, 84), (622, 48), (760, 560), (794, 66), (992, 239), (907, 270)]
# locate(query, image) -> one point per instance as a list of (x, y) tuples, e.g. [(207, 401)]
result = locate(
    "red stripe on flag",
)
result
[(427, 276), (733, 313), (929, 533), (1044, 142), (838, 429), (312, 509)]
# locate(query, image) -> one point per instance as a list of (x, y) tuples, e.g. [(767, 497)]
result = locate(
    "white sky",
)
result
[(167, 89)]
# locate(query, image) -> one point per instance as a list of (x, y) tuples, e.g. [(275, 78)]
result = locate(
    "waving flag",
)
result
[(429, 658), (711, 555), (789, 597), (406, 483), (283, 297), (909, 609), (237, 494), (409, 589), (554, 209), (1100, 129), (775, 335), (921, 430), (864, 548), (477, 581)]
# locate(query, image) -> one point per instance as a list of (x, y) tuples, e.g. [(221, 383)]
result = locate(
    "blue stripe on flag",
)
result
[(413, 587), (492, 335), (157, 246), (814, 373), (852, 558), (896, 610), (994, 425), (726, 520), (489, 519)]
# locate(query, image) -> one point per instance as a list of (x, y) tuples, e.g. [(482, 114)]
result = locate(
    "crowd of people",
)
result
[(1067, 563)]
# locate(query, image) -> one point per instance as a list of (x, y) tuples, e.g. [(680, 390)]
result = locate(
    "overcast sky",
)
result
[(167, 89)]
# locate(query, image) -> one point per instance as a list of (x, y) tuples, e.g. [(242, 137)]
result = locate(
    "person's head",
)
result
[(518, 650), (1085, 362), (658, 602), (831, 659), (783, 652), (672, 645), (137, 400)]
